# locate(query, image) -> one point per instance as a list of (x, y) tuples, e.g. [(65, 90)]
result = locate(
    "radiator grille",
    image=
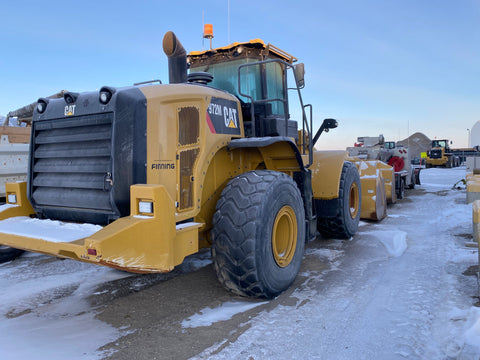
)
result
[(187, 162), (436, 154), (188, 125), (72, 163)]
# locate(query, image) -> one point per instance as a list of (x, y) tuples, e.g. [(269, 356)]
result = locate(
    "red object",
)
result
[(397, 163), (92, 252)]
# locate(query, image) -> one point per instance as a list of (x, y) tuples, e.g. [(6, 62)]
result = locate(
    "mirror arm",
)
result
[(326, 125)]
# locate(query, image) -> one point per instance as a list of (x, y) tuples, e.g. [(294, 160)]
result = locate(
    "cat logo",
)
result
[(222, 116), (230, 117), (69, 110)]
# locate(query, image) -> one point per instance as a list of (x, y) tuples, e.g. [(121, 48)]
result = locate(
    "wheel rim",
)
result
[(284, 236), (354, 199)]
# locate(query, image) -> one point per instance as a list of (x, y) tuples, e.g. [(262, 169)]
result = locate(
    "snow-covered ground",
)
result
[(399, 289), (396, 291)]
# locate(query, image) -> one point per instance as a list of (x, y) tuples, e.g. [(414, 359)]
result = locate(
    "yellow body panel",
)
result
[(214, 165), (437, 162), (375, 187), (473, 188), (326, 172), (22, 207), (163, 146), (371, 167)]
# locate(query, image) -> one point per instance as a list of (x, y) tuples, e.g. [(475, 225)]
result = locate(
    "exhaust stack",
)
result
[(177, 58)]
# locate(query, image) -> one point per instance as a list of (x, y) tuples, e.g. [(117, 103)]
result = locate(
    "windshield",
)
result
[(439, 143), (225, 77)]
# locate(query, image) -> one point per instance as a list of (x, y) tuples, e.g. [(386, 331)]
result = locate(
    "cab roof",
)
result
[(255, 48)]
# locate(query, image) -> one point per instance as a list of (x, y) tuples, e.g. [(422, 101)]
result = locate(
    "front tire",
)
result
[(348, 207), (258, 234)]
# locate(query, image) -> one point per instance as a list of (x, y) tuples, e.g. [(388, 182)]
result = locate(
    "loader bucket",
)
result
[(374, 185)]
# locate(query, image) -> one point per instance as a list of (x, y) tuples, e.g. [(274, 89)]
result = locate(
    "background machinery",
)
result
[(440, 155), (14, 139), (212, 159), (406, 174)]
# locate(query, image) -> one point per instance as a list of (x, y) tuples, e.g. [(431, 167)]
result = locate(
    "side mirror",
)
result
[(300, 75), (326, 126), (329, 124)]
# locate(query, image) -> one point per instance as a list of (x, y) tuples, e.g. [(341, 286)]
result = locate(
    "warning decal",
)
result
[(222, 116)]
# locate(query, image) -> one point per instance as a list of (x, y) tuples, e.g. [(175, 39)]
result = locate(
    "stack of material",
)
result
[(417, 143)]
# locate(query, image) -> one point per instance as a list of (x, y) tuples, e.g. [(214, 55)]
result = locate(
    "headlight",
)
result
[(41, 106), (12, 198), (106, 94), (145, 207)]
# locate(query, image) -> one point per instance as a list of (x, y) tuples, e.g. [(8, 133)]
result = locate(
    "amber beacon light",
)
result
[(208, 33)]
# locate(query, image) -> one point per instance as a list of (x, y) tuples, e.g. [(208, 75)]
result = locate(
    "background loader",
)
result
[(440, 155), (150, 174)]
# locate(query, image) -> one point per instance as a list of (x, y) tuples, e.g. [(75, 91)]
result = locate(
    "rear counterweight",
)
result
[(84, 156)]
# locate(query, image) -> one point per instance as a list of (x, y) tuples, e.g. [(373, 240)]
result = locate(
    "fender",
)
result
[(326, 172), (265, 142)]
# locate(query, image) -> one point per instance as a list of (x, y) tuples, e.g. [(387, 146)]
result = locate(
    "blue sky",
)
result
[(377, 66)]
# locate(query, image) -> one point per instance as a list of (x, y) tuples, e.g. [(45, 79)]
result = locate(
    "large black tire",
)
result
[(412, 180), (348, 207), (417, 177), (8, 253), (258, 234), (401, 191), (449, 163)]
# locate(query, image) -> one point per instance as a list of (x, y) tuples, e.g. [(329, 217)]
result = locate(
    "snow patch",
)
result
[(472, 335), (47, 315), (6, 206), (324, 253), (50, 230), (394, 241), (226, 311), (55, 337)]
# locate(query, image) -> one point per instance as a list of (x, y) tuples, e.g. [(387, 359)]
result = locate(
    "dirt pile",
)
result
[(417, 143)]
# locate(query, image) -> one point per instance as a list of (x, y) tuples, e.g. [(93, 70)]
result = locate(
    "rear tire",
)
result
[(412, 180), (8, 253), (417, 177), (401, 191), (258, 234), (348, 206)]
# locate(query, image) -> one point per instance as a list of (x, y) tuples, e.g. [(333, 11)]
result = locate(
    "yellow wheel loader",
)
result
[(138, 178), (440, 155)]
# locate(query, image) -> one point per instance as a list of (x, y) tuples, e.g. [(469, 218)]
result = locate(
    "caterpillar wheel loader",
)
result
[(138, 178), (440, 155)]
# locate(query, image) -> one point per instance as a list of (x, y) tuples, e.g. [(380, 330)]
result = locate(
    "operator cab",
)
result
[(389, 145), (256, 73), (440, 144)]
